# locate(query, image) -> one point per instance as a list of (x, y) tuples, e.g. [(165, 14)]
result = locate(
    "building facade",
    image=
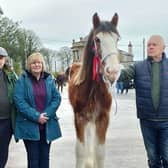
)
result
[(126, 57)]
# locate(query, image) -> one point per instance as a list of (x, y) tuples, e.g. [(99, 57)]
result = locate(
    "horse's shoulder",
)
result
[(74, 69), (75, 66)]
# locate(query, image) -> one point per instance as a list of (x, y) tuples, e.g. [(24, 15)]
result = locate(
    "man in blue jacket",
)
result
[(151, 84)]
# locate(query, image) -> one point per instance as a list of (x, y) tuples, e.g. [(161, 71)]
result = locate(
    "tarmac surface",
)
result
[(124, 144)]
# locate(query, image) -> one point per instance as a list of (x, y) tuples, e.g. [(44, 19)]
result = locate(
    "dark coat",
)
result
[(145, 108)]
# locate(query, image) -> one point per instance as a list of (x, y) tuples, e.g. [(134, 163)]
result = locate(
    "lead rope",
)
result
[(112, 90), (113, 93)]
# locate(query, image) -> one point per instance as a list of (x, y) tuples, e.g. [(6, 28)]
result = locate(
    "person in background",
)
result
[(126, 86), (7, 108), (37, 101), (151, 86), (120, 86)]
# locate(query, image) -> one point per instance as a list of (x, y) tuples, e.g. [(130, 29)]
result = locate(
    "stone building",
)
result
[(126, 57)]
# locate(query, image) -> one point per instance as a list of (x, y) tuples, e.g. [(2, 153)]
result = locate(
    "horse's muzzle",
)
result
[(112, 74)]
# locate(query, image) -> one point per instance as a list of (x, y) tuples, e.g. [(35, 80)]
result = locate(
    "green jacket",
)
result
[(11, 78)]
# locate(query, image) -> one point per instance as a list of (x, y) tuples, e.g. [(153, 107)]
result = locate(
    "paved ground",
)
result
[(124, 148)]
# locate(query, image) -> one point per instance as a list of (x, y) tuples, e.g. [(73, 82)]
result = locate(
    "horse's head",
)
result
[(104, 41)]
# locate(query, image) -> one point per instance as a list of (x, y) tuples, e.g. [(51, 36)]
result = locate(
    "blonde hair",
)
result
[(34, 57)]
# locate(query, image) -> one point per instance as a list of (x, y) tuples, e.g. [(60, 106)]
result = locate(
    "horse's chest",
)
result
[(91, 111)]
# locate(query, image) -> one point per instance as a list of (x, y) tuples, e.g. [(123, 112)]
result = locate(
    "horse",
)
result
[(60, 81), (89, 94)]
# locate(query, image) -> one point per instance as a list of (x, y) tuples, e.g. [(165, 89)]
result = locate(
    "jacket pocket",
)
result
[(26, 129), (53, 129)]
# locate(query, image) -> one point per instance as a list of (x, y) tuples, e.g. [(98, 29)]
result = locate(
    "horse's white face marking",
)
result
[(108, 43), (109, 54)]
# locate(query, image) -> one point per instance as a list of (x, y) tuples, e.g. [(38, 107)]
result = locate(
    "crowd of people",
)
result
[(124, 86), (28, 105)]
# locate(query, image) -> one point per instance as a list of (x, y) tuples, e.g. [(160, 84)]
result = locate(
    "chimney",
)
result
[(81, 38), (130, 48)]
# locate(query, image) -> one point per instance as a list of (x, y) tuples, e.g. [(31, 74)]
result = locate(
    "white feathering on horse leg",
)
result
[(100, 155), (89, 138), (80, 154)]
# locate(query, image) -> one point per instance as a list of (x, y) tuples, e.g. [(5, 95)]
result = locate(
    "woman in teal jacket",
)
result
[(37, 101)]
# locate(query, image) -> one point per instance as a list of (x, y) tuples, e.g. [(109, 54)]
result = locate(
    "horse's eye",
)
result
[(97, 40)]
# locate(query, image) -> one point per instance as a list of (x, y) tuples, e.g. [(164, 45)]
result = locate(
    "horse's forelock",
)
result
[(106, 27)]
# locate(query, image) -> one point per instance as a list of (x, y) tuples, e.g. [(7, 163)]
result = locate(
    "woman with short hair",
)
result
[(37, 101)]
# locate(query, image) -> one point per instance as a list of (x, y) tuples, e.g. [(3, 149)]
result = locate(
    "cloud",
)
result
[(58, 22)]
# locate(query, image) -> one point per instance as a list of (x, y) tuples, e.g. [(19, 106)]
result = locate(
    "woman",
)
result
[(37, 101)]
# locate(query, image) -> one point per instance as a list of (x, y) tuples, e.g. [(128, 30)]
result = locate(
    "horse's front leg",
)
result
[(80, 148), (101, 129)]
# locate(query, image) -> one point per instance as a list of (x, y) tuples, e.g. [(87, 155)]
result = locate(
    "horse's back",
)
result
[(72, 87), (73, 71)]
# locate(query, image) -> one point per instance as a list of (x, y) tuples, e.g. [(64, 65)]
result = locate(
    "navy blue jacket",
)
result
[(145, 108)]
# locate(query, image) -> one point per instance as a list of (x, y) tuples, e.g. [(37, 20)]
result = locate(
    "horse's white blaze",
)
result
[(91, 153), (108, 43), (109, 51)]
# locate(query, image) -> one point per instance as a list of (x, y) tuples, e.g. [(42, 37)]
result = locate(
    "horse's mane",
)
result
[(87, 61), (85, 71)]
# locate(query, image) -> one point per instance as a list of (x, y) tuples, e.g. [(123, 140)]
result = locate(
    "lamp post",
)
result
[(143, 48)]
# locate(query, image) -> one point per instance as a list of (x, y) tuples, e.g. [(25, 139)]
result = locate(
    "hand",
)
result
[(43, 118)]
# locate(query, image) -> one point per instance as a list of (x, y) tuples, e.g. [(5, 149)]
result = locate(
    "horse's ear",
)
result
[(96, 20), (114, 20)]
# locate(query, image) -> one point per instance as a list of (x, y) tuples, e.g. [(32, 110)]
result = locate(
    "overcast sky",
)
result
[(57, 22)]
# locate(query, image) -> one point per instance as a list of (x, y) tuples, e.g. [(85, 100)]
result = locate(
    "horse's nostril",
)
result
[(108, 70)]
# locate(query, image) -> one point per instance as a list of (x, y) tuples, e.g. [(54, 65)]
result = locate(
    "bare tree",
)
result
[(28, 43), (65, 57), (49, 56)]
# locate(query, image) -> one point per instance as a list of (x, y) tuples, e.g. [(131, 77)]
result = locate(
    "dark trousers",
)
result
[(155, 135), (120, 87), (5, 137), (38, 152)]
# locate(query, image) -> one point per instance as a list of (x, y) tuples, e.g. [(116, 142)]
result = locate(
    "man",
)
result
[(7, 110), (151, 85)]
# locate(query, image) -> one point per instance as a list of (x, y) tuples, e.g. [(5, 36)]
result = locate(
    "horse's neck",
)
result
[(93, 89)]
